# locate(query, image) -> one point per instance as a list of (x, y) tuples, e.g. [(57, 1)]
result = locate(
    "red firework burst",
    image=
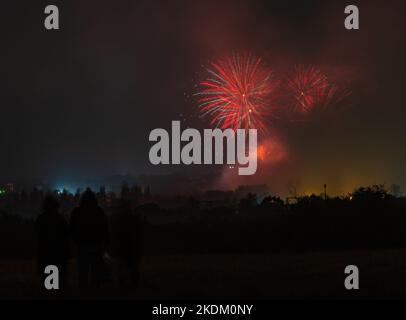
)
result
[(307, 88), (238, 93)]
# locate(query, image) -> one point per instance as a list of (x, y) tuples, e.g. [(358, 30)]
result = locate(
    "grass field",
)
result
[(287, 275)]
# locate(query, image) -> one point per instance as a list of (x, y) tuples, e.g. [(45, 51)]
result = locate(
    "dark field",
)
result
[(256, 250), (301, 275)]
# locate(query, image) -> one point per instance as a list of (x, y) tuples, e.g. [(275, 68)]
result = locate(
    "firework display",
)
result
[(238, 93)]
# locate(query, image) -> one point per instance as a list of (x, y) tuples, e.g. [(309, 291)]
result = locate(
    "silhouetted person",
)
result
[(88, 225), (130, 238), (53, 241)]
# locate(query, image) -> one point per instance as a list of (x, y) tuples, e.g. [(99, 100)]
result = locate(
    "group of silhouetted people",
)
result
[(89, 232)]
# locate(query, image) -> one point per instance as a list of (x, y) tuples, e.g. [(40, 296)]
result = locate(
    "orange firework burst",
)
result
[(271, 151)]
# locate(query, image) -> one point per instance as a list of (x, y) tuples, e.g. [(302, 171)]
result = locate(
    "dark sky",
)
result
[(80, 102)]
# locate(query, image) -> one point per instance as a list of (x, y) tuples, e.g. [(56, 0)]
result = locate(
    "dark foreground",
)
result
[(276, 275)]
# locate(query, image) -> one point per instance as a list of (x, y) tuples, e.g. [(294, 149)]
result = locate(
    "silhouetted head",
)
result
[(50, 204), (88, 199)]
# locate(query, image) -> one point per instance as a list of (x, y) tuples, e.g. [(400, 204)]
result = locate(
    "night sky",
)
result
[(80, 102)]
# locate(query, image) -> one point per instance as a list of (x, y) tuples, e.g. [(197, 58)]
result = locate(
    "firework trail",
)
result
[(335, 97), (238, 93)]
